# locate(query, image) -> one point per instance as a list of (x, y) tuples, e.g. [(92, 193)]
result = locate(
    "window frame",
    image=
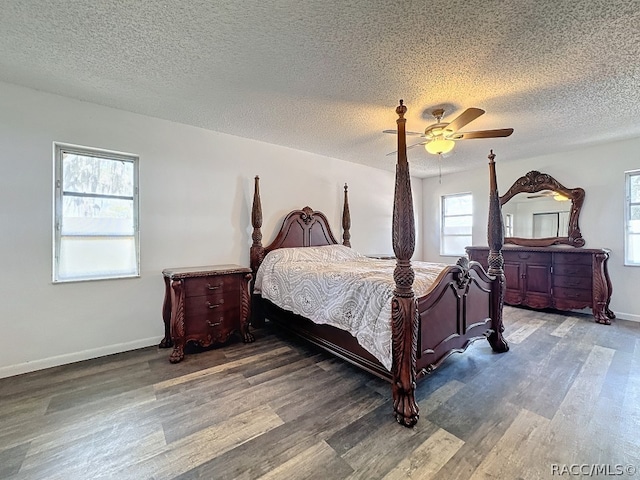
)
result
[(443, 200), (627, 215), (508, 224), (59, 149)]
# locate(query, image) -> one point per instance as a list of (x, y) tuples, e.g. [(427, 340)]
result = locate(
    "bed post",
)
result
[(404, 308), (495, 237), (346, 219), (257, 252)]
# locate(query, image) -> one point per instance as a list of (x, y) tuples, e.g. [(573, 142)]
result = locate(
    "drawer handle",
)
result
[(215, 305), (214, 324), (212, 287), (523, 256)]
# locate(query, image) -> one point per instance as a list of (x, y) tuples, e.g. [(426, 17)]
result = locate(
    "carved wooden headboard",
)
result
[(303, 228), (300, 228)]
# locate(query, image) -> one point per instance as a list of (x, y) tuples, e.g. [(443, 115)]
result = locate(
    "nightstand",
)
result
[(205, 305)]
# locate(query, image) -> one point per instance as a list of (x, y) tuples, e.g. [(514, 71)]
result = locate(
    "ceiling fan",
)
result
[(550, 194), (441, 136)]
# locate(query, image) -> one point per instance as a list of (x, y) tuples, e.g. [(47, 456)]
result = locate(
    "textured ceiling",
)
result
[(325, 76)]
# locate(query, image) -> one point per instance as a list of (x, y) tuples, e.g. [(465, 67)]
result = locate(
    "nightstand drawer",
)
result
[(195, 287), (210, 303), (213, 324)]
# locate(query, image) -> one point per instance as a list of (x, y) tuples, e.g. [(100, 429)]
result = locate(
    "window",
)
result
[(632, 219), (457, 223), (96, 214), (508, 225)]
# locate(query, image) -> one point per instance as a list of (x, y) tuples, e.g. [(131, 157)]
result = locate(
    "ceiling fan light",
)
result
[(439, 145), (558, 197)]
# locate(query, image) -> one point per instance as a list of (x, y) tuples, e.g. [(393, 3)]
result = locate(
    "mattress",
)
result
[(335, 285)]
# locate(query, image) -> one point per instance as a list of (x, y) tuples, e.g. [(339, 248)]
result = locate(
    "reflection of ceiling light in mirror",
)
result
[(439, 145), (560, 198)]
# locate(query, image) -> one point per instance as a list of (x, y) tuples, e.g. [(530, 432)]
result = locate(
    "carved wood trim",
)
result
[(495, 238), (404, 308), (346, 219), (535, 181), (245, 309), (166, 315), (177, 320), (256, 252)]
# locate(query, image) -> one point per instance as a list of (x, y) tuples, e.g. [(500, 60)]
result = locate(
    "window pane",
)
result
[(458, 225), (86, 174), (634, 188), (96, 257), (633, 249), (458, 205), (632, 219), (455, 245), (97, 216)]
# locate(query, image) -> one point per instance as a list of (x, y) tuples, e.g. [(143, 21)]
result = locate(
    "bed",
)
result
[(461, 304)]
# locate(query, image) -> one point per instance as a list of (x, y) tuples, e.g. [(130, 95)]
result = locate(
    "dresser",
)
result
[(555, 277), (205, 305)]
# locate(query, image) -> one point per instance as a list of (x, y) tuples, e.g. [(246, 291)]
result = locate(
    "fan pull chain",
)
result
[(440, 168)]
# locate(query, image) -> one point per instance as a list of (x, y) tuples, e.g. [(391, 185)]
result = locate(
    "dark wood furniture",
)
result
[(558, 278), (464, 305), (535, 182), (205, 305)]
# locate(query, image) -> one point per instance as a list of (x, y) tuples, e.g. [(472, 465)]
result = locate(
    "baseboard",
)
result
[(627, 316), (26, 367)]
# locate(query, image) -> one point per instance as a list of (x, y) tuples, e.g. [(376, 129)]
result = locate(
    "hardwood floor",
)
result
[(564, 402)]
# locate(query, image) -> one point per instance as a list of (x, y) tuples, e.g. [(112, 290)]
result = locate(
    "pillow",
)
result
[(323, 254)]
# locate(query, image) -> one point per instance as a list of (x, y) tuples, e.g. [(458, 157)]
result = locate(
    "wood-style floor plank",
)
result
[(428, 458), (318, 462), (567, 392)]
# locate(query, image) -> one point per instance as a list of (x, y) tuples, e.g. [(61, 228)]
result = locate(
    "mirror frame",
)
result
[(535, 181)]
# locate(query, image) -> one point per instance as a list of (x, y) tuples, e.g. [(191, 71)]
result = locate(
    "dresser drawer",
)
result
[(572, 270), (572, 282), (527, 257), (583, 295), (571, 259), (197, 286)]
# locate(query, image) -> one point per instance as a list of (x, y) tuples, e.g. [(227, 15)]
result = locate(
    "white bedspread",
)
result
[(337, 286)]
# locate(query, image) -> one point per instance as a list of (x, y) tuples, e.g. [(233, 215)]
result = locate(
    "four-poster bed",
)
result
[(464, 303)]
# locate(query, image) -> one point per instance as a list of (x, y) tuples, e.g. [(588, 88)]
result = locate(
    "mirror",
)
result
[(537, 211)]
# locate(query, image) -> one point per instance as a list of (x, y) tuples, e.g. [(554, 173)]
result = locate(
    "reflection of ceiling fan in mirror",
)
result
[(441, 136), (550, 194)]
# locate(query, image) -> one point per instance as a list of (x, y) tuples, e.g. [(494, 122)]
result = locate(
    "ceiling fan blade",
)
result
[(500, 132), (469, 115), (410, 146), (408, 133), (543, 194)]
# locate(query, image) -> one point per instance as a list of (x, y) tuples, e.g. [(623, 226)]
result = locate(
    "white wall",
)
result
[(598, 169), (196, 190)]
